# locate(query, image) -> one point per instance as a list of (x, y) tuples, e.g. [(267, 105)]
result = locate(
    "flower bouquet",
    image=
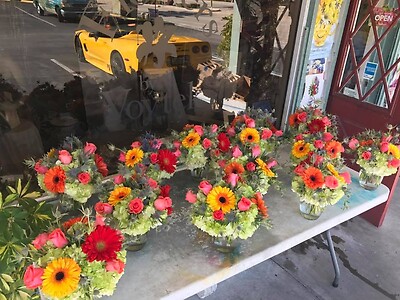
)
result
[(74, 172), (377, 153), (78, 260), (135, 208), (227, 213)]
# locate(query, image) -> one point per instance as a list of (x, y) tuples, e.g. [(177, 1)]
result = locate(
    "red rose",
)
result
[(84, 178), (39, 168), (33, 277), (366, 155), (118, 179), (135, 206), (153, 158), (218, 215), (251, 167), (103, 208)]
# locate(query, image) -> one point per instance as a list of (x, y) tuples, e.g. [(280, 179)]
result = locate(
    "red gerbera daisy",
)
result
[(224, 142), (102, 244), (54, 180), (316, 125), (167, 160), (101, 165)]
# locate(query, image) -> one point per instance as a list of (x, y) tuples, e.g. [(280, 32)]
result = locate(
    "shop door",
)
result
[(364, 92)]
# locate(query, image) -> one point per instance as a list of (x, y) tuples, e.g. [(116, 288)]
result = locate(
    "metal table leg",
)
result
[(333, 257)]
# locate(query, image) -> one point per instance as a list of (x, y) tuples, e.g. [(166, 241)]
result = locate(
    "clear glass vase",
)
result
[(310, 211), (135, 242), (197, 173), (369, 181), (225, 245)]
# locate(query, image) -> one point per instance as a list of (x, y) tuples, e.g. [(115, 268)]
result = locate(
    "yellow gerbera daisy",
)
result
[(191, 140), (221, 198), (61, 278), (133, 156), (300, 149), (249, 135), (264, 167), (393, 150), (51, 153), (118, 194), (331, 168)]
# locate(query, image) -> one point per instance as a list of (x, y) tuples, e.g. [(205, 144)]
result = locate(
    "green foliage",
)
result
[(225, 46), (22, 218)]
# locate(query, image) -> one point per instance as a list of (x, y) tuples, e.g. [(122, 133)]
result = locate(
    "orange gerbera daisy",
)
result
[(260, 204), (54, 180), (118, 194), (133, 156), (293, 119), (313, 178), (249, 135), (235, 168), (333, 148), (264, 167), (300, 149), (68, 224), (191, 140)]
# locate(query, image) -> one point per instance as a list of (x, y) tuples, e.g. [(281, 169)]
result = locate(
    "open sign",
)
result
[(383, 17)]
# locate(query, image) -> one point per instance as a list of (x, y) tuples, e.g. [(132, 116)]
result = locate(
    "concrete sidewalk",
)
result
[(368, 258)]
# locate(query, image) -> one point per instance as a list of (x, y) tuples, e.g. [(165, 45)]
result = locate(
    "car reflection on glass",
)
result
[(117, 56), (66, 9)]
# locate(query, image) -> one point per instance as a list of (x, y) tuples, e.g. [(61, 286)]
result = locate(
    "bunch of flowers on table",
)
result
[(194, 145), (77, 260), (376, 152), (136, 206), (225, 211), (317, 161), (74, 171)]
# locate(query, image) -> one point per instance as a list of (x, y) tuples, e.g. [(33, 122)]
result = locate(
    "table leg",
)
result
[(333, 257)]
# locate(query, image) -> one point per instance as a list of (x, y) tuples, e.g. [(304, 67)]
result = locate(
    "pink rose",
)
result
[(40, 169), (205, 187), (266, 134), (64, 157), (99, 220), (353, 144), (244, 204), (121, 157), (236, 152), (250, 123), (256, 151), (118, 179), (318, 160), (177, 144), (327, 136), (331, 182), (207, 143), (232, 179), (394, 163), (84, 177), (318, 144), (317, 112), (298, 137), (216, 152), (162, 203), (250, 166), (302, 117), (218, 215), (190, 197), (231, 131), (40, 240), (366, 155), (326, 121), (135, 206), (199, 129), (58, 238), (103, 208), (387, 138), (90, 148), (346, 176), (156, 144), (152, 183), (384, 147), (136, 144), (214, 128), (153, 158), (115, 265), (222, 163), (33, 277), (271, 164), (278, 133), (299, 170)]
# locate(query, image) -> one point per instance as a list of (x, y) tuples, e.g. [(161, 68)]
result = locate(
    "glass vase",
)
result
[(197, 173), (135, 242), (225, 245), (369, 181), (310, 211)]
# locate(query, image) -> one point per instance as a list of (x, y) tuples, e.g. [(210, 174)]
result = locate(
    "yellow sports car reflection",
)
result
[(118, 55)]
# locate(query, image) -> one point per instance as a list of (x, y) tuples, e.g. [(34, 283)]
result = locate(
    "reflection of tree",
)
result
[(257, 44)]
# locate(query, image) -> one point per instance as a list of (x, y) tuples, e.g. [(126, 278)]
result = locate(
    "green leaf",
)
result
[(23, 295), (26, 188), (10, 198), (7, 278), (19, 187), (1, 200), (2, 297), (33, 195), (4, 285), (11, 190)]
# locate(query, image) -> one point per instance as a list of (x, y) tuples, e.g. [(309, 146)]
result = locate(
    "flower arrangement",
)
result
[(77, 260), (223, 211), (75, 170), (316, 159), (376, 152)]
